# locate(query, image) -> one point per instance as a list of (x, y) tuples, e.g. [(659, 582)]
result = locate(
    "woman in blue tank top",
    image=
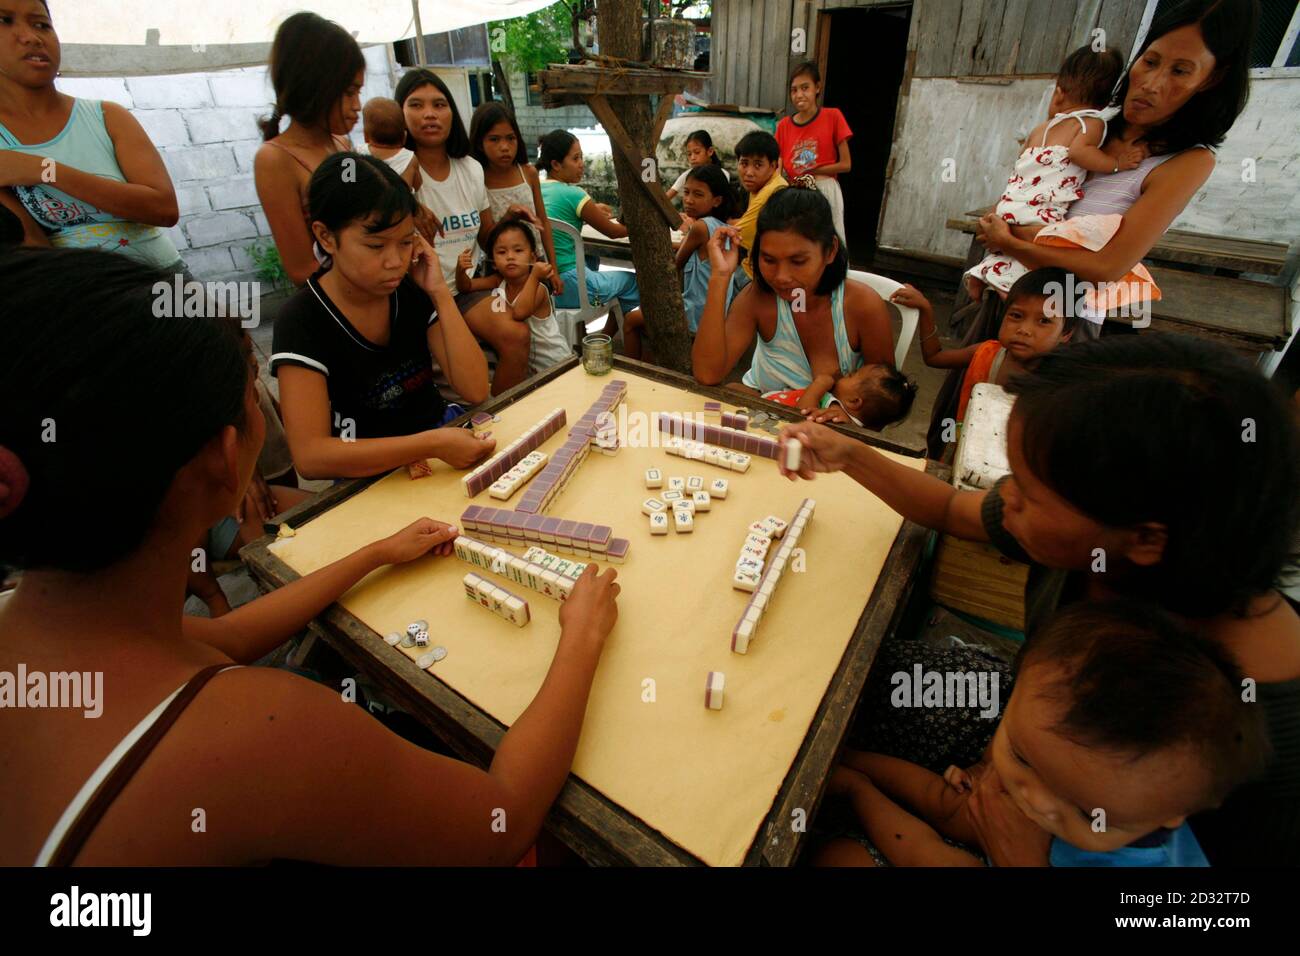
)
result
[(801, 314), (79, 173)]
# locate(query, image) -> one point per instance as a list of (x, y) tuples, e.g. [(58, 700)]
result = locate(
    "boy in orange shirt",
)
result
[(1038, 317)]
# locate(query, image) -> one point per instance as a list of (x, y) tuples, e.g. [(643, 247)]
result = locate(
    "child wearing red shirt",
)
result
[(815, 140)]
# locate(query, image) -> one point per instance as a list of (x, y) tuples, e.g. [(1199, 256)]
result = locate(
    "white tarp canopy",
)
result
[(152, 36)]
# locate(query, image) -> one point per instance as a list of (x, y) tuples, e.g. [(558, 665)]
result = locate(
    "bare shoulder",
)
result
[(1191, 165), (530, 174), (860, 296)]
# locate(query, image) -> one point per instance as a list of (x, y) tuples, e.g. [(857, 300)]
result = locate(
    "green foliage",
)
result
[(269, 267), (536, 40)]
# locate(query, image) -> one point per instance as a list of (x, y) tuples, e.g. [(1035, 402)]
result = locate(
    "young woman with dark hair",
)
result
[(559, 156), (1179, 98), (77, 173), (317, 70), (451, 184), (354, 349), (288, 771), (511, 180), (801, 313), (1155, 467)]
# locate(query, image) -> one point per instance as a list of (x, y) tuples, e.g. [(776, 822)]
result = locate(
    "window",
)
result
[(1276, 50), (1277, 42)]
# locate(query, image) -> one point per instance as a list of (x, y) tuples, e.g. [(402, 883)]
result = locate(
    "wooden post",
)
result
[(652, 253)]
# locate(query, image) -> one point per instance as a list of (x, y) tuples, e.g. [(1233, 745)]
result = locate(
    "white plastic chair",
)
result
[(575, 323), (885, 288)]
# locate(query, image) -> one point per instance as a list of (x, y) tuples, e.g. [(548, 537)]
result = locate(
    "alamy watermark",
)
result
[(922, 688), (192, 299), (75, 690), (1081, 299)]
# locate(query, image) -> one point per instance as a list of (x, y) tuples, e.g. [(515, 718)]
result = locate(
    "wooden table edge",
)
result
[(474, 735)]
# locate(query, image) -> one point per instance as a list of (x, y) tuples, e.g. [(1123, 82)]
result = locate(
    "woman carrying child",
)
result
[(802, 314), (1159, 468), (1178, 100), (451, 184)]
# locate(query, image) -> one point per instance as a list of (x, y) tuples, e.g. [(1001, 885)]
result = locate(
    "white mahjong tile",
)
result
[(744, 581), (653, 506), (694, 483), (686, 504), (718, 488), (659, 523), (671, 496), (676, 484), (760, 529), (654, 478), (743, 635), (683, 521), (702, 501)]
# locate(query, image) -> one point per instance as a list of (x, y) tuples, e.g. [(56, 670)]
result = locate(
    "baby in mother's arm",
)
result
[(1122, 725)]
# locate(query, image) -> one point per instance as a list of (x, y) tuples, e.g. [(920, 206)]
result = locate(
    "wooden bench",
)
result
[(1240, 313)]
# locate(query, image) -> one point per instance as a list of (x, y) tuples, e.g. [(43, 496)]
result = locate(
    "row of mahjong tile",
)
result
[(721, 436), (674, 500), (512, 480), (554, 478), (496, 466), (758, 540), (697, 451), (611, 396), (545, 581), (496, 599), (578, 537), (654, 478), (760, 600)]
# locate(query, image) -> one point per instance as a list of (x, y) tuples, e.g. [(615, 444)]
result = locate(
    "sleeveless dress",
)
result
[(499, 200), (1038, 193), (84, 144), (782, 363)]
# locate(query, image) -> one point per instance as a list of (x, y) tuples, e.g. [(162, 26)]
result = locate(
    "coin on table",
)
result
[(392, 640), (422, 625), (425, 661), (408, 641), (438, 653)]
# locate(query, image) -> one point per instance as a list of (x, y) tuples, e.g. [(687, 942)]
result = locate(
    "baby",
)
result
[(1122, 725), (872, 397), (1058, 154), (384, 126)]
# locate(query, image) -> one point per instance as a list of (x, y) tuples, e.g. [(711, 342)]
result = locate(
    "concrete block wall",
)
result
[(536, 121), (205, 127)]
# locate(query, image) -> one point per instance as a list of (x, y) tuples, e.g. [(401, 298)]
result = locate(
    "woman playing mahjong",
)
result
[(286, 768), (1131, 468)]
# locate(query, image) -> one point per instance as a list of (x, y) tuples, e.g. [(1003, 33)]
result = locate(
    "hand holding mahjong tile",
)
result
[(417, 539), (823, 450)]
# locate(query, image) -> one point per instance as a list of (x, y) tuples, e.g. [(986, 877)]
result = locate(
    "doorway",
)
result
[(862, 54)]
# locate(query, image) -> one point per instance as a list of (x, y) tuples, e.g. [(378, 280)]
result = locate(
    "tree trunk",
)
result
[(619, 26)]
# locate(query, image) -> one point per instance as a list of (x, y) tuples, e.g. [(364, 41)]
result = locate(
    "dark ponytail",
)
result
[(104, 401), (553, 147), (313, 63), (702, 137), (802, 209)]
